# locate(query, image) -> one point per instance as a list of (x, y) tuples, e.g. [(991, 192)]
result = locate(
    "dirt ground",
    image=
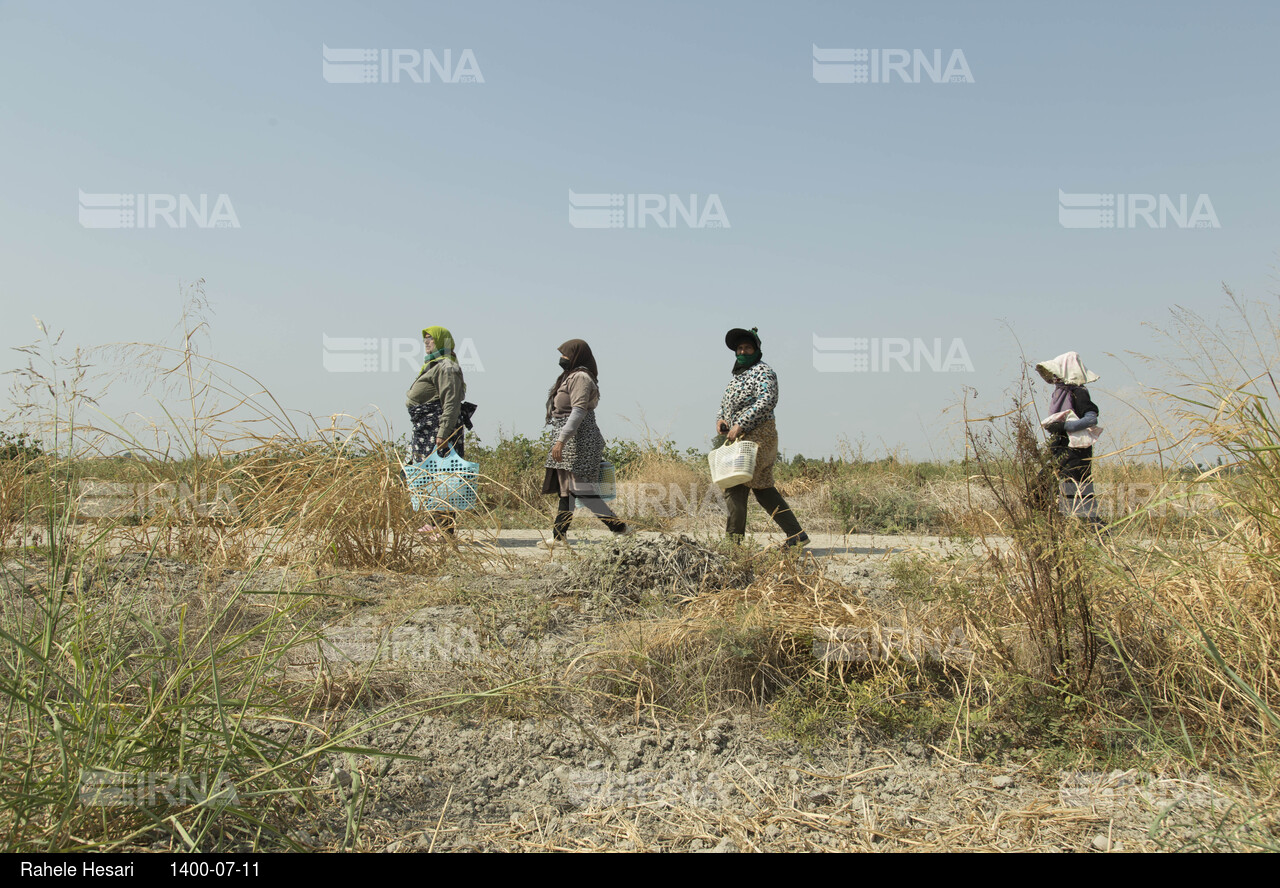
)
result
[(588, 777), (551, 763)]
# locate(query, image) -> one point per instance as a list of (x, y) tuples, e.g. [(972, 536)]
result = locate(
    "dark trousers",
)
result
[(769, 499), (598, 507)]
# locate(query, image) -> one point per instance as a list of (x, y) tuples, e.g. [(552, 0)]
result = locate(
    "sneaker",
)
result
[(627, 530), (796, 542)]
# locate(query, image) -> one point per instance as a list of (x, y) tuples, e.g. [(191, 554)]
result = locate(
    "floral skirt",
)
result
[(580, 455), (426, 427)]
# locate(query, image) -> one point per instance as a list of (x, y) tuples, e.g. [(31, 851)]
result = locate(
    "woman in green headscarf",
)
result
[(435, 406)]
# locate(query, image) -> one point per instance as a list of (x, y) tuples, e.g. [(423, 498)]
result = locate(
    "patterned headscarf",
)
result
[(444, 346), (580, 357)]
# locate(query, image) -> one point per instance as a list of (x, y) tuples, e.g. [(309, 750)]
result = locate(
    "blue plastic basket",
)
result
[(606, 484), (442, 483)]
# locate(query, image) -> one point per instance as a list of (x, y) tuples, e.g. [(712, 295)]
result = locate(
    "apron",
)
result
[(580, 455), (765, 437)]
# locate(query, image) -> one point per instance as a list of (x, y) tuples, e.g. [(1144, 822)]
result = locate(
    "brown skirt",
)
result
[(563, 482), (765, 436)]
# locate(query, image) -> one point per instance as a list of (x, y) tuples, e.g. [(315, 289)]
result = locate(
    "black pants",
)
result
[(769, 499), (598, 507)]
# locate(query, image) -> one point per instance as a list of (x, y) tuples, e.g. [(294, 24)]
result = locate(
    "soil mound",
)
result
[(668, 565)]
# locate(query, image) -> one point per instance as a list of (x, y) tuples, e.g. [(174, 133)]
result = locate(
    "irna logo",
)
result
[(398, 354), (887, 65), (619, 210), (1097, 210), (396, 65), (871, 354), (146, 210)]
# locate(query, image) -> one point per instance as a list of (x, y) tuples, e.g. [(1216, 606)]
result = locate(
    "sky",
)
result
[(854, 218)]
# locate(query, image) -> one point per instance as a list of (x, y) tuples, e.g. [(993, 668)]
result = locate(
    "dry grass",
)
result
[(744, 645), (1182, 615)]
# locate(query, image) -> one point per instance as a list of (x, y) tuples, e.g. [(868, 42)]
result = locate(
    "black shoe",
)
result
[(800, 539)]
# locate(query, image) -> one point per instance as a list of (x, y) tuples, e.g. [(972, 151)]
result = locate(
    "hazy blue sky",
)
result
[(896, 210)]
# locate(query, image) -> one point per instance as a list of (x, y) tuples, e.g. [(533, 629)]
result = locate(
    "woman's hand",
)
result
[(734, 433), (557, 450), (721, 426), (442, 446)]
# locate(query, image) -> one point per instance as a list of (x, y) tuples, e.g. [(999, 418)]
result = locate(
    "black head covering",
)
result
[(737, 335), (735, 338), (580, 357)]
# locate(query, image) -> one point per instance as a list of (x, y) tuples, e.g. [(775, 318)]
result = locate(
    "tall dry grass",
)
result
[(1039, 559), (1218, 593), (131, 715)]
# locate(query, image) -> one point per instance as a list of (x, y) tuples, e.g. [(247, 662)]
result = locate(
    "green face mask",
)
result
[(746, 360)]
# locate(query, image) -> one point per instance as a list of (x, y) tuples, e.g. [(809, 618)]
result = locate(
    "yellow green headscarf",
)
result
[(444, 346)]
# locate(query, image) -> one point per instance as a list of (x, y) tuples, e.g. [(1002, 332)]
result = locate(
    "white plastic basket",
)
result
[(606, 484), (442, 483), (733, 464)]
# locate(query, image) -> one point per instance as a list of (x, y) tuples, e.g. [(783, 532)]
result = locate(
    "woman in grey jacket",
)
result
[(435, 409)]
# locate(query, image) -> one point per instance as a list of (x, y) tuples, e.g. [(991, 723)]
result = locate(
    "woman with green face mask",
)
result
[(746, 413), (435, 409)]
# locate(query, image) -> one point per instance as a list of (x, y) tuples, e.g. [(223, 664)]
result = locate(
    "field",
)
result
[(251, 646)]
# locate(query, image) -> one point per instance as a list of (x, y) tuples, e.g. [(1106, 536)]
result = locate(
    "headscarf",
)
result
[(580, 358), (1067, 372), (736, 337), (444, 346)]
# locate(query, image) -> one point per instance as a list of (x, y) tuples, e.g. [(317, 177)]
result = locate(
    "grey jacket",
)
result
[(441, 381)]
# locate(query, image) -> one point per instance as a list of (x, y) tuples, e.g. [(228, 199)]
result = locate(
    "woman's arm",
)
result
[(571, 424), (766, 400), (582, 395), (1088, 421), (451, 388)]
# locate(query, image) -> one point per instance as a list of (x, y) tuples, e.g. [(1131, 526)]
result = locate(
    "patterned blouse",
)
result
[(750, 397)]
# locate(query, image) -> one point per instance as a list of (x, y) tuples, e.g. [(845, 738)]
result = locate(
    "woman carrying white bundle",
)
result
[(1072, 425)]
